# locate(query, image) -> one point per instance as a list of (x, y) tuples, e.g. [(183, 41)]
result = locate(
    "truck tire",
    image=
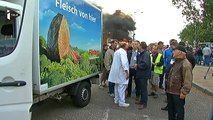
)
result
[(82, 98)]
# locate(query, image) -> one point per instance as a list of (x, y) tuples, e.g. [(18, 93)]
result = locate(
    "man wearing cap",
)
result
[(179, 84)]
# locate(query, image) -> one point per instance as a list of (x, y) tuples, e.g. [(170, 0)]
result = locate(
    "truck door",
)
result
[(16, 26)]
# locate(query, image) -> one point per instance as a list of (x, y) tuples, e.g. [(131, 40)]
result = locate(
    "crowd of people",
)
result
[(125, 62), (203, 55)]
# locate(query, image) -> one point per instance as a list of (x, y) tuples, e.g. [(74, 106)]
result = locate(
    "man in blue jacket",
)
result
[(168, 61), (143, 70)]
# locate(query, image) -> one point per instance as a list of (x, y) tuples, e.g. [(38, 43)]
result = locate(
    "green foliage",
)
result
[(55, 73), (196, 31), (42, 42), (189, 9), (200, 19), (42, 46)]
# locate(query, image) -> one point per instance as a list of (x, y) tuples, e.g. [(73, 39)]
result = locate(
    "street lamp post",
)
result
[(134, 18), (195, 40)]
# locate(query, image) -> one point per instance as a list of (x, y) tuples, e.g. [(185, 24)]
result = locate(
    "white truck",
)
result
[(47, 48)]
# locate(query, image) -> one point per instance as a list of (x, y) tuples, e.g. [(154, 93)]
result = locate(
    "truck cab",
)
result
[(16, 59)]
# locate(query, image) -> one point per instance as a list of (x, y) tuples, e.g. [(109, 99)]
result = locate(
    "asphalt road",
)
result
[(101, 107)]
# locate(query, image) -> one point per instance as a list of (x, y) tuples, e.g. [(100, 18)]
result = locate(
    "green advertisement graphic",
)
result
[(69, 41)]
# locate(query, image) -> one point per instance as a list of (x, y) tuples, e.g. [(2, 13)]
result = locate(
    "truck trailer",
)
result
[(47, 48)]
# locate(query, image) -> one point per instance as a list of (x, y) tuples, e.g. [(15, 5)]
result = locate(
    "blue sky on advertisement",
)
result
[(156, 20), (83, 20)]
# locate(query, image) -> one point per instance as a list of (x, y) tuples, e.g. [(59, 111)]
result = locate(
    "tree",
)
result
[(200, 26), (196, 31)]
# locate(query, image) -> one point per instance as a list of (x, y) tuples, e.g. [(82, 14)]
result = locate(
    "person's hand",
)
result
[(135, 66), (127, 75), (182, 96)]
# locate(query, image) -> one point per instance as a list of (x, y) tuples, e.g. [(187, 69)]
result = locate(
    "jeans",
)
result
[(211, 116), (207, 59), (111, 87), (175, 107), (198, 59), (161, 78), (132, 73), (141, 89)]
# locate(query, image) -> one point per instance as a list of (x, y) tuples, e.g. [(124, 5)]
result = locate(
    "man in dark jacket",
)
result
[(143, 69), (179, 84)]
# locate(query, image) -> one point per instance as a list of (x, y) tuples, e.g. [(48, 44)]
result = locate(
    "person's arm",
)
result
[(107, 60), (143, 64), (187, 81), (125, 63), (161, 62), (166, 59), (210, 51)]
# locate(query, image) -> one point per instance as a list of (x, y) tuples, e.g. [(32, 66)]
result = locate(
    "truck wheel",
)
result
[(82, 98)]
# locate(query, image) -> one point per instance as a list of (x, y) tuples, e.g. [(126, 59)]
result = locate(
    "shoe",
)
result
[(128, 96), (136, 98), (124, 105), (116, 103), (152, 94), (101, 87), (138, 102), (161, 87), (165, 108), (112, 95), (104, 85), (142, 106)]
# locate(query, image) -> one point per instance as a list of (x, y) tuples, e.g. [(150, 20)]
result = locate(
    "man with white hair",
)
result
[(119, 74)]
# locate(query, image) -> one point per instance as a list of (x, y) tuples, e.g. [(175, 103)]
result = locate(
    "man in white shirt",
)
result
[(119, 74), (207, 55)]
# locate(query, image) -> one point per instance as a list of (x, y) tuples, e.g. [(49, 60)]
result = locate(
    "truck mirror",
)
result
[(11, 15)]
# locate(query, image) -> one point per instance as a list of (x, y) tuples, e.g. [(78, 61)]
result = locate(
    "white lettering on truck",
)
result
[(65, 6)]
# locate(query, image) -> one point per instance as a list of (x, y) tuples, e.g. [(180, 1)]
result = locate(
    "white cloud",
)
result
[(78, 27), (92, 40), (46, 13)]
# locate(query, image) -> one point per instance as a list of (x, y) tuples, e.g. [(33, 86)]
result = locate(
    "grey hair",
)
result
[(123, 44)]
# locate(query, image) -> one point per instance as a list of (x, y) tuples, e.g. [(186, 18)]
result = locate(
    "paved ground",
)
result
[(101, 107), (205, 85)]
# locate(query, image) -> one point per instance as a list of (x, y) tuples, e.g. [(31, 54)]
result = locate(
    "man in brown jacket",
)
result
[(108, 58), (179, 84)]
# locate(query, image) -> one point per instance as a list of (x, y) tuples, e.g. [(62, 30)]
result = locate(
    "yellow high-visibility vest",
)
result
[(157, 69)]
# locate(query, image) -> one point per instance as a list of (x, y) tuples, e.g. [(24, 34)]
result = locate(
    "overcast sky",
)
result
[(156, 20)]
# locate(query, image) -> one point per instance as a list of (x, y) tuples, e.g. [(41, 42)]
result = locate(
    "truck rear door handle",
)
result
[(13, 84)]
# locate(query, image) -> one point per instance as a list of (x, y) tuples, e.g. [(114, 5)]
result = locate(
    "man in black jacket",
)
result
[(143, 70)]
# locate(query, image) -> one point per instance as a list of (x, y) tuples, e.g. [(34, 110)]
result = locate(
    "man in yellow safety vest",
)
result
[(156, 70)]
